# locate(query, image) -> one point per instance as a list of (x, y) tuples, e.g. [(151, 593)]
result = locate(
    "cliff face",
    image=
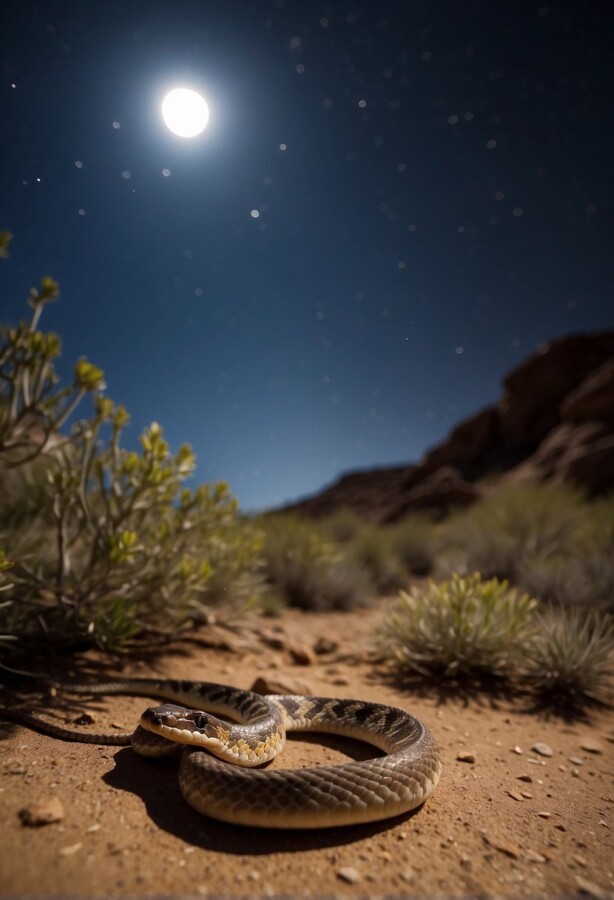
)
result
[(554, 422)]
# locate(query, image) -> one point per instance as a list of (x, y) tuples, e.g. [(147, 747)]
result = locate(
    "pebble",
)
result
[(532, 856), (590, 888), (301, 654), (466, 757), (281, 684), (542, 749), (517, 750), (576, 760), (544, 815), (68, 851), (349, 874), (44, 813), (591, 746), (515, 796), (525, 777)]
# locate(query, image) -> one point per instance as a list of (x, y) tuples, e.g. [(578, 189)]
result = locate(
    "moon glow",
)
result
[(185, 112)]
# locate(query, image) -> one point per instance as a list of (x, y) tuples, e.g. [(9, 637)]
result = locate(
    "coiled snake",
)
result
[(316, 797)]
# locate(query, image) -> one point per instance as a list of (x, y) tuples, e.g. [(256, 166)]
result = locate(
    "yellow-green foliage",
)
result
[(518, 523), (343, 525), (306, 569), (414, 540), (570, 658), (460, 627), (374, 551), (107, 543)]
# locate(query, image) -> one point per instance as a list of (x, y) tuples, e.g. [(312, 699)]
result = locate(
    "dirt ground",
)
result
[(505, 819)]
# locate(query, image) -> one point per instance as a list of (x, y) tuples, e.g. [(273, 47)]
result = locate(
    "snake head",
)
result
[(179, 723)]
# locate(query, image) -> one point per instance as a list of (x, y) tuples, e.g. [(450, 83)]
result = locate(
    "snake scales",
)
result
[(324, 796)]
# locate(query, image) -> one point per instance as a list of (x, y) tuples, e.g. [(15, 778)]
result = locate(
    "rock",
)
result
[(554, 422), (525, 777), (281, 684), (84, 719), (535, 390), (301, 654), (533, 857), (542, 749), (592, 399), (44, 813), (591, 746), (466, 757), (515, 796), (591, 889), (508, 849), (69, 851), (544, 815), (349, 874), (325, 645)]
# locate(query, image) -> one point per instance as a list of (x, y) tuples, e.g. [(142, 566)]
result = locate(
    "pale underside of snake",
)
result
[(222, 782)]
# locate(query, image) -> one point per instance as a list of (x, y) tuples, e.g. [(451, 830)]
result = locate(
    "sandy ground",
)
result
[(510, 822)]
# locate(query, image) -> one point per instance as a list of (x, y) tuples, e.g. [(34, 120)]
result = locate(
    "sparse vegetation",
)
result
[(514, 525), (462, 627), (570, 658), (107, 543), (306, 569)]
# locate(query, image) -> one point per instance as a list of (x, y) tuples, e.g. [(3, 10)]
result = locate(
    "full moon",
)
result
[(185, 112)]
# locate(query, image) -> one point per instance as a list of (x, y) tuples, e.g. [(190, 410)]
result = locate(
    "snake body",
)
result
[(316, 797)]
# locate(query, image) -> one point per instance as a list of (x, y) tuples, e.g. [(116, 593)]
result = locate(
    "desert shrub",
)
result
[(374, 551), (108, 544), (414, 540), (306, 569), (460, 627), (343, 525), (513, 526), (570, 658)]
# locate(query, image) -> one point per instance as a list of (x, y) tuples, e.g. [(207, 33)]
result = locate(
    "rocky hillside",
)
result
[(554, 422)]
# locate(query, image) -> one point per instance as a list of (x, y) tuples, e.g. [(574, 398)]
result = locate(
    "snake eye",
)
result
[(201, 720)]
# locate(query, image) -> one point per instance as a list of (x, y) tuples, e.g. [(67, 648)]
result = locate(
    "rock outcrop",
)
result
[(554, 422)]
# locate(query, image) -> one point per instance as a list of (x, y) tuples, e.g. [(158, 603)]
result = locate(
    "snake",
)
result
[(224, 733)]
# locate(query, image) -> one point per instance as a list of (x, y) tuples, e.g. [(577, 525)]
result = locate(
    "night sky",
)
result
[(392, 205)]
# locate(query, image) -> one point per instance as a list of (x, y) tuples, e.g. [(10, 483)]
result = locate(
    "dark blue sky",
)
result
[(442, 206)]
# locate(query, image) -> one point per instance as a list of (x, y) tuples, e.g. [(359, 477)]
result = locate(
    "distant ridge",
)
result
[(553, 423)]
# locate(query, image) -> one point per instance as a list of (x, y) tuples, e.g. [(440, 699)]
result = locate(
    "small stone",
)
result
[(325, 645), (301, 654), (349, 874), (542, 749), (281, 684), (94, 828), (525, 777), (69, 851), (591, 746), (544, 815), (590, 888), (576, 760), (44, 813), (515, 796), (579, 859), (466, 757), (517, 750), (532, 856), (84, 719)]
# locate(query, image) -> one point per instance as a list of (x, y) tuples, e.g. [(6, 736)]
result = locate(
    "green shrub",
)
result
[(108, 544), (514, 525), (305, 569), (460, 627), (569, 659), (414, 540), (373, 550), (343, 526)]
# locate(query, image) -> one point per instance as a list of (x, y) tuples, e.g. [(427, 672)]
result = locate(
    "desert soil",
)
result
[(505, 819)]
